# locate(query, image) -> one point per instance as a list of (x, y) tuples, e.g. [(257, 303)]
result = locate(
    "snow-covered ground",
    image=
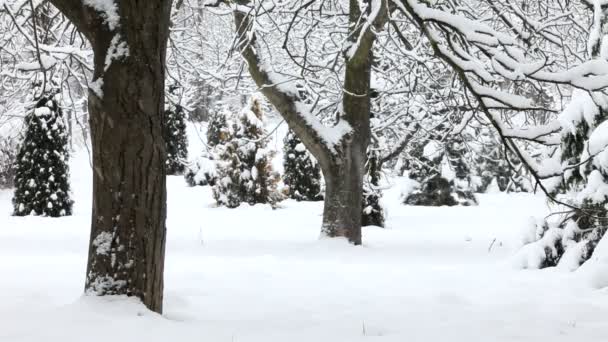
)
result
[(256, 274)]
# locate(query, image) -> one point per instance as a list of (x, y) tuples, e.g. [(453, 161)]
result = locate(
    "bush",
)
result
[(373, 213), (302, 175), (41, 182), (243, 161), (176, 141), (201, 171)]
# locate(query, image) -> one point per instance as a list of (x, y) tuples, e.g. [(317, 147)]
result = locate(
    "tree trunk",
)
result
[(343, 164), (343, 195), (344, 174), (126, 100)]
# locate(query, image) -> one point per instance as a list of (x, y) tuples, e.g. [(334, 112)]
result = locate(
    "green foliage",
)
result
[(176, 141), (218, 129), (302, 175), (373, 214), (443, 175), (583, 187), (41, 181), (244, 169)]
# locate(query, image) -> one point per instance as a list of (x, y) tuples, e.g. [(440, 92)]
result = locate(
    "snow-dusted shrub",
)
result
[(443, 176), (433, 191), (243, 161), (42, 177), (201, 171), (8, 158), (302, 176)]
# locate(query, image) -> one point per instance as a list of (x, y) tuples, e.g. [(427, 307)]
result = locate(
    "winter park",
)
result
[(303, 170)]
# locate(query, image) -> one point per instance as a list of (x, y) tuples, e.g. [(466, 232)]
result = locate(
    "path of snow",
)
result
[(258, 275)]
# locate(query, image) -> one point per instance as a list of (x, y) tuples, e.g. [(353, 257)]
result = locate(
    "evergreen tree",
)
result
[(302, 172), (41, 181), (175, 140), (583, 186), (244, 168), (218, 128), (229, 189), (174, 133), (373, 214), (202, 171), (442, 174), (460, 182), (425, 168), (499, 171), (573, 237)]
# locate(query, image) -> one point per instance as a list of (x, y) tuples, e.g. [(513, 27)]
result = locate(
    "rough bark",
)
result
[(127, 245), (344, 174), (343, 195)]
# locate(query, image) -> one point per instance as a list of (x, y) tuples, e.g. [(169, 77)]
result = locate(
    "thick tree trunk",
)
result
[(127, 245), (344, 172), (343, 196)]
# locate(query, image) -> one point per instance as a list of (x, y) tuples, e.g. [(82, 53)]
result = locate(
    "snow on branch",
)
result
[(488, 53), (375, 19), (283, 93), (108, 11), (483, 58)]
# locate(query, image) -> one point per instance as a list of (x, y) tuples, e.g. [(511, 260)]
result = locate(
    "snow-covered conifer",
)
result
[(456, 168), (424, 168), (302, 175), (218, 128), (574, 236), (42, 177), (176, 141), (202, 171), (244, 168), (442, 174), (228, 189), (570, 238), (373, 213)]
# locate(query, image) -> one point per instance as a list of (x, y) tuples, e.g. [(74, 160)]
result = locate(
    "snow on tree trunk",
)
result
[(42, 174)]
